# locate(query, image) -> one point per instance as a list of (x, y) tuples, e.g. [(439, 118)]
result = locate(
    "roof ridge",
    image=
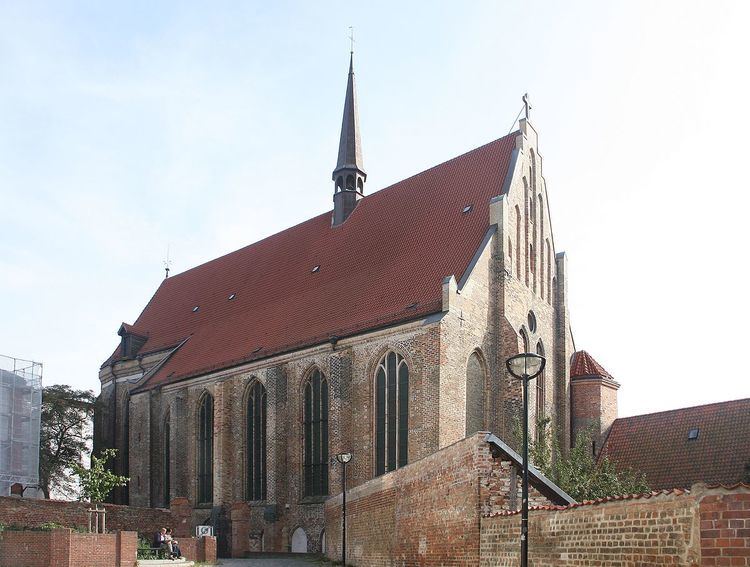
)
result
[(330, 211), (683, 409)]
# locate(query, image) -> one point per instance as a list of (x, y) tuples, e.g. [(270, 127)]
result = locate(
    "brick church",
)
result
[(379, 328)]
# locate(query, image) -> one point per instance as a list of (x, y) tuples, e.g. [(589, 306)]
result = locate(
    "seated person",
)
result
[(162, 541), (173, 542)]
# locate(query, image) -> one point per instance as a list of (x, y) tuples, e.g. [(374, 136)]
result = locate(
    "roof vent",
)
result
[(195, 309), (412, 305), (316, 269), (260, 348), (467, 209), (693, 434), (232, 296)]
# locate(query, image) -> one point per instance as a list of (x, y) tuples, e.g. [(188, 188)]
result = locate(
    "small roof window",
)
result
[(231, 296), (693, 434), (412, 305), (195, 309), (316, 269), (467, 209), (258, 349)]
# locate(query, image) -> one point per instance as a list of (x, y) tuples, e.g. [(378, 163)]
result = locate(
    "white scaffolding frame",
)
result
[(20, 417)]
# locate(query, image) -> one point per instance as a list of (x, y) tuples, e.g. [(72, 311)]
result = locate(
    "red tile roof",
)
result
[(657, 444), (384, 265), (585, 365)]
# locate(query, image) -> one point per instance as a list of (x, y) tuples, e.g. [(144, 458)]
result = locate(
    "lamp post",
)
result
[(525, 366), (343, 458)]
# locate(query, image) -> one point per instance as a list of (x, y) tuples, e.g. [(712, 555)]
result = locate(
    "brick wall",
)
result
[(31, 513), (699, 527), (25, 549), (198, 549), (725, 528), (62, 548), (426, 513)]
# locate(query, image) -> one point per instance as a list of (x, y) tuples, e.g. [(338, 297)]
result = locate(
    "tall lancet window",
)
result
[(316, 435), (206, 449), (255, 448), (166, 464), (541, 395), (391, 413)]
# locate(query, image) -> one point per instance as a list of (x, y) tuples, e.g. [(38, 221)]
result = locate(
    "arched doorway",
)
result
[(299, 541)]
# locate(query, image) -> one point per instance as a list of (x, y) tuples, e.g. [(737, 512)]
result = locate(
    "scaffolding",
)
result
[(20, 416)]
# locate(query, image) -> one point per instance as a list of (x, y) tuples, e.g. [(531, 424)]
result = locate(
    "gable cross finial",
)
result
[(167, 264), (351, 39), (526, 105)]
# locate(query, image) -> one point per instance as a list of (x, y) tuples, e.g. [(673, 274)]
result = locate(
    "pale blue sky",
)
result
[(125, 127)]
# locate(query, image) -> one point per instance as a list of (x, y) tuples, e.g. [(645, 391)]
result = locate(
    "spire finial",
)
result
[(351, 40), (167, 264)]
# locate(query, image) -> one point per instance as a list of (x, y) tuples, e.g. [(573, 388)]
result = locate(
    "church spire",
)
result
[(349, 176)]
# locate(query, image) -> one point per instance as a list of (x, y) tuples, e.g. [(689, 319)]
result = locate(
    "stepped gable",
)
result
[(384, 265), (662, 447)]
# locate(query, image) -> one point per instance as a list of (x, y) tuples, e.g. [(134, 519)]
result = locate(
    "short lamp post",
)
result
[(525, 366), (343, 458)]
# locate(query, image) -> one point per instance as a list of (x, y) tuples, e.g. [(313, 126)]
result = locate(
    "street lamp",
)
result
[(343, 458), (525, 366)]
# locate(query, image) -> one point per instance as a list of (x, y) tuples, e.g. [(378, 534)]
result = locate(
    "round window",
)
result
[(532, 322)]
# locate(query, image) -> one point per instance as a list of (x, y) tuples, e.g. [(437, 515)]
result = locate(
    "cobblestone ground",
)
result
[(276, 560)]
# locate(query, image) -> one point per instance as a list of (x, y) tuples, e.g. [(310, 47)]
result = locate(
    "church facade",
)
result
[(380, 329)]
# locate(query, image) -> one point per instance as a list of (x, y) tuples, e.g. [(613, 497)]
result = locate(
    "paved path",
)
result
[(275, 560)]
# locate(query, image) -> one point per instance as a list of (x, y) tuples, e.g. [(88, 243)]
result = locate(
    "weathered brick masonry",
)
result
[(62, 548), (429, 512), (705, 526), (458, 507), (33, 513)]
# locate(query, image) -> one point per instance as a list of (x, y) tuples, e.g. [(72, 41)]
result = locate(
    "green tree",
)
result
[(580, 473), (97, 481), (64, 435)]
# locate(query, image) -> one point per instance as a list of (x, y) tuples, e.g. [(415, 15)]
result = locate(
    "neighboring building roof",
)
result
[(659, 444), (584, 365), (384, 265)]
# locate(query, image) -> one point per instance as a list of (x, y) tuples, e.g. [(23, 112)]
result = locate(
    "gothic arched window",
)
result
[(541, 393), (549, 272), (255, 443), (518, 242), (391, 413), (474, 394), (206, 449), (316, 435), (524, 341), (166, 465), (350, 182)]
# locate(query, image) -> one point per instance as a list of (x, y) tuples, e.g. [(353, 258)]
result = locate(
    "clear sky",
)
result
[(126, 127)]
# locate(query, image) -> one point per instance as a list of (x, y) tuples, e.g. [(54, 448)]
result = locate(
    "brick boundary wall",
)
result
[(426, 513), (455, 508), (32, 513), (704, 526), (62, 548)]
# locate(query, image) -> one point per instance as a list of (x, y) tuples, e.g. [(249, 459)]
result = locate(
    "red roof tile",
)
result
[(652, 494), (657, 444), (384, 265), (585, 365)]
